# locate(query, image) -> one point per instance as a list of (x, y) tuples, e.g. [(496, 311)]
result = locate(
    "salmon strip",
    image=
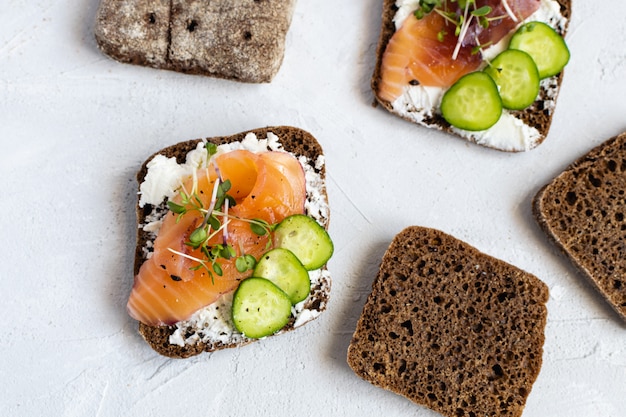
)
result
[(279, 175), (168, 289), (416, 54)]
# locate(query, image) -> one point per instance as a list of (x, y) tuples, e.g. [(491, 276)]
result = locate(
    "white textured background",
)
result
[(75, 126)]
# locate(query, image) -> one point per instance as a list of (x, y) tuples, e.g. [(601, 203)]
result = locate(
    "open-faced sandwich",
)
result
[(486, 70), (232, 243), (240, 40)]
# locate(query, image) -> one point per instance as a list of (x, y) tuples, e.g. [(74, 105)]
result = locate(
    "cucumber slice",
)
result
[(517, 77), (547, 48), (472, 103), (284, 269), (303, 236), (260, 308)]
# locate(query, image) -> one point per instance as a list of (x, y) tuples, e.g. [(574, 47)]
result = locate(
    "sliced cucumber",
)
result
[(547, 48), (303, 236), (260, 308), (517, 77), (472, 103), (284, 269)]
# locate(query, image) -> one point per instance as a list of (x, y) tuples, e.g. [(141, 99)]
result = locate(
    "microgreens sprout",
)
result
[(216, 218), (465, 23), (426, 6), (245, 263), (260, 227), (211, 149), (226, 220), (476, 49), (505, 3), (202, 263), (176, 208), (186, 200), (462, 17)]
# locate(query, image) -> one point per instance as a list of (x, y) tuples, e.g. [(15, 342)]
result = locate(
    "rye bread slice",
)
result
[(293, 140), (538, 115), (583, 212), (451, 328), (242, 40)]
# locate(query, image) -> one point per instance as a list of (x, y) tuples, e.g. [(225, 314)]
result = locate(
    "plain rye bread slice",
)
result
[(583, 211), (293, 140), (537, 116), (241, 40), (451, 328)]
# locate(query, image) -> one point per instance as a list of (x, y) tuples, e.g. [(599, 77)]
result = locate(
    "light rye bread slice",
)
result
[(538, 115), (583, 211), (241, 40), (293, 140), (451, 328)]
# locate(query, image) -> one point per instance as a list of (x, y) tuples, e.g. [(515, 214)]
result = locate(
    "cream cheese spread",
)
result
[(213, 323), (419, 103)]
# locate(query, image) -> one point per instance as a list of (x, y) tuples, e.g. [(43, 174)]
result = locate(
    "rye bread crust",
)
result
[(537, 115), (451, 328), (294, 140), (583, 212), (241, 40)]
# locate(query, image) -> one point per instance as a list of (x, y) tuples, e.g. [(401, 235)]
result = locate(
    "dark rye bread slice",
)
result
[(538, 115), (293, 140), (583, 211), (451, 328), (241, 40)]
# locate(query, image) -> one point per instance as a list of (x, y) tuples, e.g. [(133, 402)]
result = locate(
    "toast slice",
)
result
[(184, 339), (451, 328), (524, 129), (582, 211), (239, 40)]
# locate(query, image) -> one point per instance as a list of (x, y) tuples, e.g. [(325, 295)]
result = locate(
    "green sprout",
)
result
[(461, 17), (215, 220)]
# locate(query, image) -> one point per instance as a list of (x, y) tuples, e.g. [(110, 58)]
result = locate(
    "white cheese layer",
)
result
[(213, 323), (165, 176), (418, 103)]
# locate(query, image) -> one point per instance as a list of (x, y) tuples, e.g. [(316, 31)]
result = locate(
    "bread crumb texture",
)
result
[(583, 211), (451, 328), (241, 40)]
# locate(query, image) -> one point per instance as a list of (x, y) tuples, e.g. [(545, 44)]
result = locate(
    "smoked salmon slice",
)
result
[(172, 284), (425, 51)]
